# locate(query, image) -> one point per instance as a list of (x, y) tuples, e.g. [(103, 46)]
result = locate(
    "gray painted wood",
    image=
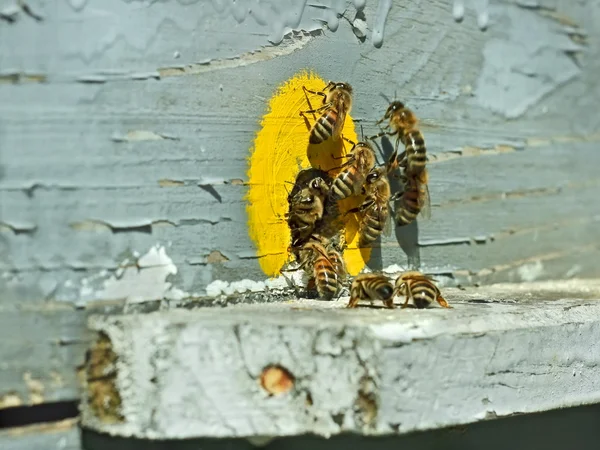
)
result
[(62, 435), (513, 143), (500, 351)]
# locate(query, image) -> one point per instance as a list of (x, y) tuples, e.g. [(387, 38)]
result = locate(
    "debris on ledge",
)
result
[(309, 366)]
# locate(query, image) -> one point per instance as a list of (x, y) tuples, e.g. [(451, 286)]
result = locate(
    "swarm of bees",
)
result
[(314, 215)]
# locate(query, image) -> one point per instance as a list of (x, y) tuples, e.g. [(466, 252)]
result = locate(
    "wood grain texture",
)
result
[(125, 132), (370, 371), (62, 435)]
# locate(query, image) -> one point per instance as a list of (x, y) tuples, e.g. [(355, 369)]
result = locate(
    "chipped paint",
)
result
[(383, 9), (141, 135), (531, 271), (10, 400), (529, 69), (144, 281), (281, 150), (35, 387)]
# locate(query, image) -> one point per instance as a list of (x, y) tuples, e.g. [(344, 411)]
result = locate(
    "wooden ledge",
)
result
[(310, 366)]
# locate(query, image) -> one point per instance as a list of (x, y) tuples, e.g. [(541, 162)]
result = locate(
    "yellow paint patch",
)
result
[(281, 150)]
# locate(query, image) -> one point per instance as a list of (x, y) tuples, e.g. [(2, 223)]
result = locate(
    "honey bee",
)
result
[(371, 286), (335, 256), (420, 288), (361, 160), (375, 208), (337, 102), (414, 199), (306, 207), (324, 271), (403, 124)]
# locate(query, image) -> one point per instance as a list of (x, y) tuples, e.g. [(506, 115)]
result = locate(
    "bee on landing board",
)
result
[(361, 160), (337, 102), (371, 286), (414, 200), (306, 207), (403, 124), (375, 208), (313, 254), (419, 288)]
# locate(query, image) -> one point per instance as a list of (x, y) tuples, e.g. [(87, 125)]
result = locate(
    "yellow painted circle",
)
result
[(281, 150)]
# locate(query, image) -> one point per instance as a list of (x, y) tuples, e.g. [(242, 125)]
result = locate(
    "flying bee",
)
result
[(420, 288), (306, 207), (414, 199), (375, 208), (337, 102), (324, 271), (403, 124), (361, 160), (371, 286)]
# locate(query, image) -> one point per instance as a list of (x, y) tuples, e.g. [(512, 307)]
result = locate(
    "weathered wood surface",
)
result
[(501, 351), (112, 113), (62, 435)]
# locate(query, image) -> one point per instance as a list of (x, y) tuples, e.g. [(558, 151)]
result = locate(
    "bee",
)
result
[(375, 208), (337, 102), (420, 288), (334, 253), (324, 271), (361, 160), (306, 207), (403, 124), (414, 199), (371, 286)]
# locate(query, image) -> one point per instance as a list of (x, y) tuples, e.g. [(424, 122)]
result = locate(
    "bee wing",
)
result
[(341, 118), (425, 202), (387, 226)]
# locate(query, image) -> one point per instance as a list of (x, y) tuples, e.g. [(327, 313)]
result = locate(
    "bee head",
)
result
[(344, 87), (394, 107)]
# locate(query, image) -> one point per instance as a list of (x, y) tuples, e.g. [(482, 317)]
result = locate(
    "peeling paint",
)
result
[(531, 271), (290, 43), (144, 281), (14, 77), (519, 71), (35, 387), (18, 227), (383, 9), (141, 135), (10, 400)]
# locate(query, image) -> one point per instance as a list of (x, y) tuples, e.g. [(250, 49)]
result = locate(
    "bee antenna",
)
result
[(362, 132), (395, 94), (385, 97)]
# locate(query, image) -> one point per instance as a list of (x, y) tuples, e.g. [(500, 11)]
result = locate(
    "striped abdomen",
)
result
[(416, 152), (325, 278), (323, 127), (378, 289), (372, 224), (338, 263), (344, 184), (409, 205), (423, 293)]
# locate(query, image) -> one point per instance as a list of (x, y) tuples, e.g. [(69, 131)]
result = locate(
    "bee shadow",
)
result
[(407, 236)]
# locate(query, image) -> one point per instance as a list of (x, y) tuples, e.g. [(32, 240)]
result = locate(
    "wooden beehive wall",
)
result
[(126, 127)]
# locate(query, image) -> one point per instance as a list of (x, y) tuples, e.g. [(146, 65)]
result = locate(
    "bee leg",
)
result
[(389, 303), (396, 196), (442, 301), (321, 93), (407, 294), (319, 109), (352, 302)]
